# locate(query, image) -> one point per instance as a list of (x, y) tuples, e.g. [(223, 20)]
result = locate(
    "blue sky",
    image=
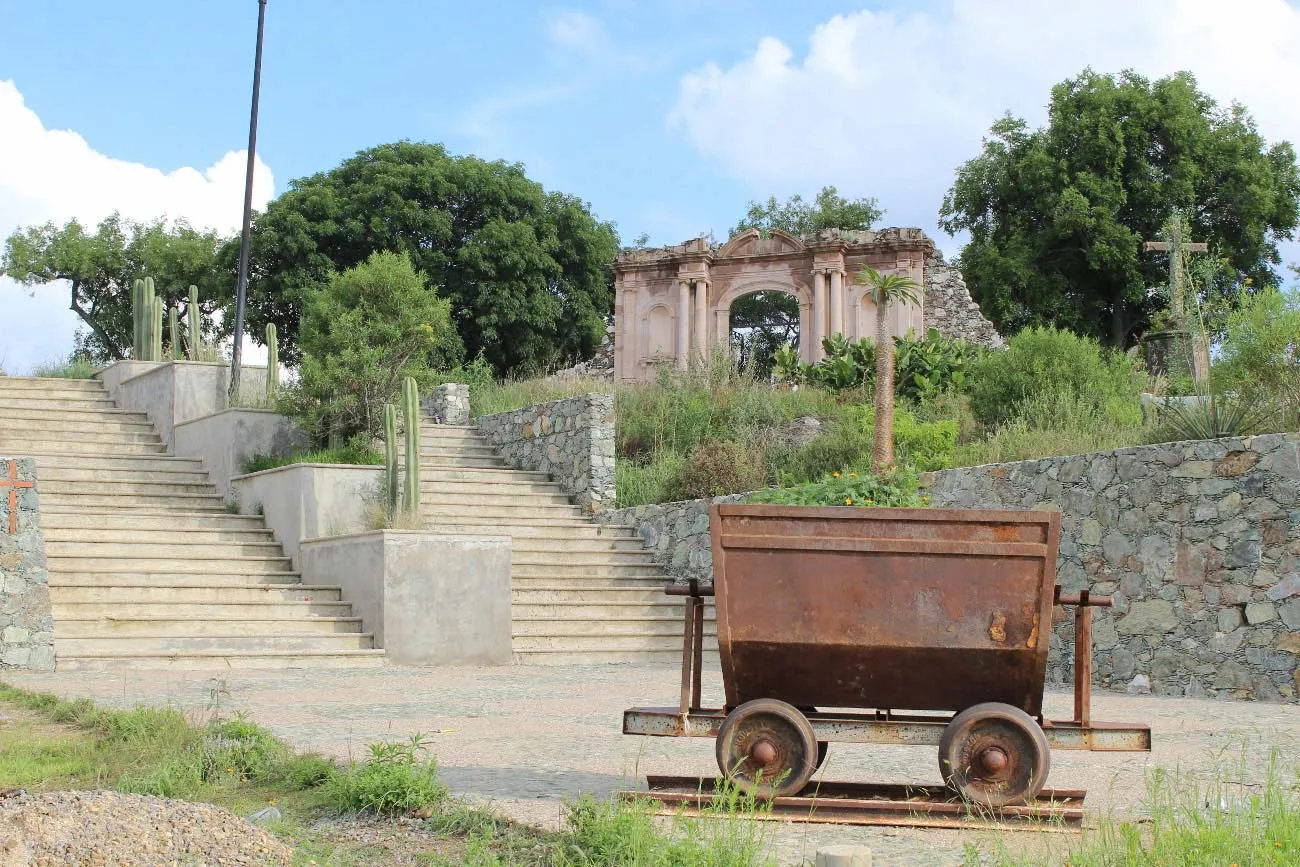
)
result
[(666, 116)]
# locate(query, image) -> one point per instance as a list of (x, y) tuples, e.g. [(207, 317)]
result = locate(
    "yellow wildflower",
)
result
[(853, 475), (848, 501), (835, 474)]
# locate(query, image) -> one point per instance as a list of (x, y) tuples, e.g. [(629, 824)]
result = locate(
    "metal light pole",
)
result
[(241, 289)]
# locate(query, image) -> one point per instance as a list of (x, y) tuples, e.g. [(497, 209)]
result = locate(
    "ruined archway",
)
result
[(758, 324)]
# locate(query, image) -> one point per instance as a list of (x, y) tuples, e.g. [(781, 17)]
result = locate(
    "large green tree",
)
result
[(527, 272), (100, 267), (763, 322), (1057, 215)]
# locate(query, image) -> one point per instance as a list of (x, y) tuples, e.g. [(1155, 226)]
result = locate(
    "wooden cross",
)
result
[(1175, 247), (13, 485)]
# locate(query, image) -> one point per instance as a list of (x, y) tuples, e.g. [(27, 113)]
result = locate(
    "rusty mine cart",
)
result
[(930, 625)]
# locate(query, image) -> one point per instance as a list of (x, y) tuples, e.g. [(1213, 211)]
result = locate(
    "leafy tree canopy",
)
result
[(527, 272), (364, 331), (1057, 215), (829, 210), (99, 269)]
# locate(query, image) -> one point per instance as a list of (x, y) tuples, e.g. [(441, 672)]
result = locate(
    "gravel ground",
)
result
[(524, 738), (107, 829)]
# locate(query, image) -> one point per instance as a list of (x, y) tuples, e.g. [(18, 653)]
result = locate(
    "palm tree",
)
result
[(886, 289)]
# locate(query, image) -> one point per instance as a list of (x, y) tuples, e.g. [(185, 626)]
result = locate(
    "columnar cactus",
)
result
[(137, 320), (411, 414), (156, 329), (192, 312), (272, 362), (174, 332), (390, 459), (147, 321)]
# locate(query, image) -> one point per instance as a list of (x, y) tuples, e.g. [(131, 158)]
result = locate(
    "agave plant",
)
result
[(1210, 417)]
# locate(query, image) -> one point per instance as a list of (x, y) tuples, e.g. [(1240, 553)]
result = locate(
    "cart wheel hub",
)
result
[(763, 753), (993, 760)]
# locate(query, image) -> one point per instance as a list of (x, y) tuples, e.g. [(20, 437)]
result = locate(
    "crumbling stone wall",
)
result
[(949, 307), (571, 439), (1198, 542), (26, 624), (448, 403)]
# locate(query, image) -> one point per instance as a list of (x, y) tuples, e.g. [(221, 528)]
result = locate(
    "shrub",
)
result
[(396, 779), (1047, 360), (925, 366), (652, 482), (1049, 424), (717, 468), (356, 452), (1261, 353), (362, 333), (243, 749), (848, 489), (924, 445), (844, 442), (74, 367)]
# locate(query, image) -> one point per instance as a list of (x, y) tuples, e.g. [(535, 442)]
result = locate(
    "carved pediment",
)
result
[(751, 243)]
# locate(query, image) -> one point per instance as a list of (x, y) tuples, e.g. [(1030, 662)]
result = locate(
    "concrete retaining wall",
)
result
[(571, 439), (173, 392), (428, 599), (1199, 543), (226, 440), (310, 501), (26, 624)]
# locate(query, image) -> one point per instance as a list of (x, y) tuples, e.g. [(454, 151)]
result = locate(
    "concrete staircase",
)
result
[(581, 592), (147, 568)]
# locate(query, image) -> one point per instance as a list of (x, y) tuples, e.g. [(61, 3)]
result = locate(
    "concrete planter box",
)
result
[(428, 599), (225, 441), (309, 501), (173, 392), (113, 375)]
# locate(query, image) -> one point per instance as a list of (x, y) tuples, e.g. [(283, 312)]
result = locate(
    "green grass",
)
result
[(71, 368), (234, 763), (347, 455)]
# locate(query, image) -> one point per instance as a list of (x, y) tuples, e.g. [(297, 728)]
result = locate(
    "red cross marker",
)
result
[(13, 485)]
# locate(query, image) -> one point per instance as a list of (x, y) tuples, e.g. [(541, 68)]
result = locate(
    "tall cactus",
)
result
[(390, 459), (272, 362), (137, 320), (192, 312), (174, 332), (156, 329), (411, 414)]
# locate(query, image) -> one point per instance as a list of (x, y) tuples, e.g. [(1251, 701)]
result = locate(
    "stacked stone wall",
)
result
[(1198, 543), (570, 439), (26, 624), (448, 404), (949, 307)]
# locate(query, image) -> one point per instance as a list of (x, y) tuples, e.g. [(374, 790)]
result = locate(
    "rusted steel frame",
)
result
[(697, 666), (1084, 602), (887, 546), (688, 644), (692, 641), (910, 731)]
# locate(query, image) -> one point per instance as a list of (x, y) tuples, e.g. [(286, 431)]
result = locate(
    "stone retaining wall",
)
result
[(571, 439), (448, 403), (26, 624), (1198, 542)]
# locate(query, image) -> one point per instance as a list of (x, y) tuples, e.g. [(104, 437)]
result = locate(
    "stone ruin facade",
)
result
[(673, 304)]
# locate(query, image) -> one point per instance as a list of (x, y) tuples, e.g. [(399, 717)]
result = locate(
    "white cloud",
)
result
[(572, 30), (889, 104), (55, 175)]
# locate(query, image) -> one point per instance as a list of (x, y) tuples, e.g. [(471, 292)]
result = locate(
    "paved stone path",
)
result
[(525, 738)]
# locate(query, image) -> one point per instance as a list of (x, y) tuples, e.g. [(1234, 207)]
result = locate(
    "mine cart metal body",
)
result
[(902, 612)]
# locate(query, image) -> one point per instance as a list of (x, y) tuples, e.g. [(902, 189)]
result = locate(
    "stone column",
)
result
[(683, 323), (837, 302), (701, 319), (819, 314)]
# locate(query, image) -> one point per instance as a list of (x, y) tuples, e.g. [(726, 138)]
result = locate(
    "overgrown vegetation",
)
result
[(73, 367), (233, 763), (358, 452)]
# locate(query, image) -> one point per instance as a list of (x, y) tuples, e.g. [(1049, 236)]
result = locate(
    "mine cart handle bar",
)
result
[(1083, 599), (692, 587)]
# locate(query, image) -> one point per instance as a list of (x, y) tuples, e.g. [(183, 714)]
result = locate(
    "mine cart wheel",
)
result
[(822, 746), (767, 748), (994, 755)]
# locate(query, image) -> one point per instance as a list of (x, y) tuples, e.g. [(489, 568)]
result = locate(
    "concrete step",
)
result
[(65, 500), (93, 441), (49, 447), (483, 497), (571, 545), (106, 476), (96, 412), (254, 624), (273, 607), (175, 642), (471, 474), (50, 384), (666, 658), (84, 423), (624, 625), (433, 510), (583, 560), (159, 535), (36, 400), (148, 463), (575, 531), (652, 575), (157, 578), (596, 595), (174, 564), (458, 461), (583, 605), (125, 487), (668, 641), (220, 660), (52, 519), (195, 593), (564, 520), (492, 488), (182, 551)]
